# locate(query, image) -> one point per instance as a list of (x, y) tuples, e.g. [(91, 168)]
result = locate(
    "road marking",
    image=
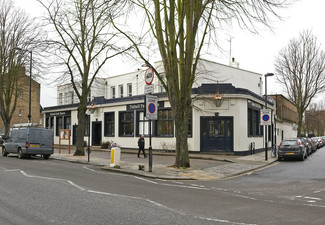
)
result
[(47, 178), (222, 221), (319, 191), (306, 197), (196, 185), (146, 180)]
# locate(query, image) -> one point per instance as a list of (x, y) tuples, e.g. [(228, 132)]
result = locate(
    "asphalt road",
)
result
[(37, 191)]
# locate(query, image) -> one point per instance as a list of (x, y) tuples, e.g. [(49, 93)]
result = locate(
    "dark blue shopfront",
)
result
[(216, 134)]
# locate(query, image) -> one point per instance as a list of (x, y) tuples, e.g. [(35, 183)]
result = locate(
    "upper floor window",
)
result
[(160, 86), (66, 98), (60, 99), (121, 90), (89, 96), (20, 94), (129, 89), (113, 92), (71, 97)]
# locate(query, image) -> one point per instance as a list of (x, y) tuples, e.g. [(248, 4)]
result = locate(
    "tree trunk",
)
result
[(181, 114), (182, 157), (7, 128), (81, 130), (300, 123)]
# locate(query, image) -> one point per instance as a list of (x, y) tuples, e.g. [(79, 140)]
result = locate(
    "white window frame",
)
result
[(129, 87)]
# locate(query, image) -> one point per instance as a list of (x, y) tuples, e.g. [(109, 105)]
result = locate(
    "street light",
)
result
[(266, 75), (30, 80)]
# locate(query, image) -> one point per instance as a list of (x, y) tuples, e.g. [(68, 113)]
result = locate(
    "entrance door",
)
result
[(96, 133), (216, 134)]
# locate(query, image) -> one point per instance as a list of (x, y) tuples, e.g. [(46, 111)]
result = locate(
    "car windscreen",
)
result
[(289, 142)]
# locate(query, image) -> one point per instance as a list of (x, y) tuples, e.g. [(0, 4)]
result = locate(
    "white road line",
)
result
[(47, 178), (146, 180), (223, 221), (196, 185), (306, 197), (319, 191)]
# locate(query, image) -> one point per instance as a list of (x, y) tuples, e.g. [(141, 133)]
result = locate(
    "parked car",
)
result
[(292, 148), (29, 141), (317, 142), (308, 147), (1, 139), (312, 144)]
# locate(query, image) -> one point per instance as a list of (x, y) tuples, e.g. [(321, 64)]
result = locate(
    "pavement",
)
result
[(203, 166)]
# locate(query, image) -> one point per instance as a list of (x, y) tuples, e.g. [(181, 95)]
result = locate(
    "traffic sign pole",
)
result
[(150, 148), (151, 107)]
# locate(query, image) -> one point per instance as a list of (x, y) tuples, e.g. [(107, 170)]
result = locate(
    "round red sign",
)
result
[(149, 75)]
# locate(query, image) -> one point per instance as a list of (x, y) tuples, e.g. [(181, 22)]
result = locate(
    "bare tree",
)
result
[(83, 43), (315, 119), (181, 29), (300, 69), (16, 30)]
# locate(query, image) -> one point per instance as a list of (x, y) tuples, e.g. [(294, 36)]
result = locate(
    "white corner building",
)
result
[(225, 116)]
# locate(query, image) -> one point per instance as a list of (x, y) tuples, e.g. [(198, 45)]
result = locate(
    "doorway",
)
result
[(216, 134), (96, 133)]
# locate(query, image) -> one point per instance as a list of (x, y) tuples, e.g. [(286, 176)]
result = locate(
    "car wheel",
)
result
[(302, 157), (20, 154), (4, 152), (280, 158), (46, 156)]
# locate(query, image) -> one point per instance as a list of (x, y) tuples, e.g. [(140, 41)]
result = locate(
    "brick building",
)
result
[(22, 108), (286, 118)]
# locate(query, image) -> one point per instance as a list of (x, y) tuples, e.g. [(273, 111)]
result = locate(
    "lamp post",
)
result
[(266, 75), (30, 81), (88, 143)]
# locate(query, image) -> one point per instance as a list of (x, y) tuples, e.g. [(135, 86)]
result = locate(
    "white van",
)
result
[(29, 141)]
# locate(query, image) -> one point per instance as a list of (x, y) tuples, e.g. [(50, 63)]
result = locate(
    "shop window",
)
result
[(59, 124), (87, 125), (165, 123), (67, 122), (253, 122), (109, 124), (190, 125), (143, 125), (49, 123), (126, 123)]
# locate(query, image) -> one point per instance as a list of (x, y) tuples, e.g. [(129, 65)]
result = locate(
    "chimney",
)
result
[(233, 63)]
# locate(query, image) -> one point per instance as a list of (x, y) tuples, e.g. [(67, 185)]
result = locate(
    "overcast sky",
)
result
[(253, 52)]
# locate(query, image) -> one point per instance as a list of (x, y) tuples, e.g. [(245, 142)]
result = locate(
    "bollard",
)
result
[(115, 157)]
